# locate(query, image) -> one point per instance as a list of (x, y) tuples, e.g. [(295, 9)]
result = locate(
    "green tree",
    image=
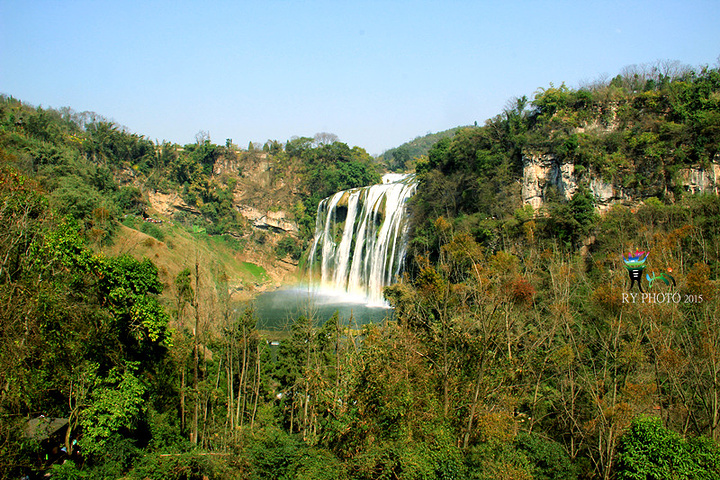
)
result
[(650, 451), (116, 403)]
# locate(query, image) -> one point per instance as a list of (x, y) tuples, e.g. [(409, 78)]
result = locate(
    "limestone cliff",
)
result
[(543, 171)]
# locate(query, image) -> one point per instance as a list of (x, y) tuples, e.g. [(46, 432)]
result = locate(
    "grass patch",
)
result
[(256, 271), (228, 241), (152, 230)]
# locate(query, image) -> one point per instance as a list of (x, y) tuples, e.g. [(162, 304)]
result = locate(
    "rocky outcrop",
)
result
[(126, 176), (236, 165), (695, 180), (274, 221), (544, 171), (168, 203)]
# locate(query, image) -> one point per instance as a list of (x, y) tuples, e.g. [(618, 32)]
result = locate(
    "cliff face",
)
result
[(542, 172), (696, 180), (263, 192)]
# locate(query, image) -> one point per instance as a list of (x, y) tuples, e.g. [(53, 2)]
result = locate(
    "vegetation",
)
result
[(515, 350), (402, 158), (636, 131), (79, 157)]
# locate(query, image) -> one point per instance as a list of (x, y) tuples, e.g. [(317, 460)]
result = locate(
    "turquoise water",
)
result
[(277, 310)]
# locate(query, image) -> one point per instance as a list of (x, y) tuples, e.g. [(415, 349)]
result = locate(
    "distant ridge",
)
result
[(397, 157)]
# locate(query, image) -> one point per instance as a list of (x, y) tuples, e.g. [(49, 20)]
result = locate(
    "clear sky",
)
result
[(375, 73)]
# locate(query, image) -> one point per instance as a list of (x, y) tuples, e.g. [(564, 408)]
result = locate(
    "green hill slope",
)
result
[(401, 158)]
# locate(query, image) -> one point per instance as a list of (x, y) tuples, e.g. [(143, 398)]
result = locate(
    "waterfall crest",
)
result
[(361, 237)]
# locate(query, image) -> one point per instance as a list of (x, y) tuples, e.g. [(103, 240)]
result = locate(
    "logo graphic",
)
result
[(635, 265), (664, 276)]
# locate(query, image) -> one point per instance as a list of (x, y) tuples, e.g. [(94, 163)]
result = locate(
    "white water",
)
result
[(361, 238)]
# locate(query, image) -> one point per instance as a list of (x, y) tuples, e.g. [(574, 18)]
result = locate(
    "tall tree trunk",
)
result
[(182, 398), (231, 391), (306, 399), (292, 411), (196, 354), (476, 400), (257, 388), (240, 414)]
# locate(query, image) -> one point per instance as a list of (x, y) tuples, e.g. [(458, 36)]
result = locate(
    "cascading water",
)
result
[(361, 237)]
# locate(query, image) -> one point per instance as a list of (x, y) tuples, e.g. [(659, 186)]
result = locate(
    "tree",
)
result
[(400, 159), (116, 402), (650, 451), (325, 138)]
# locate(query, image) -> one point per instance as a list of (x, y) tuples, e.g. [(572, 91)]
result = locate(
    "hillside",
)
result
[(402, 157), (558, 317), (642, 136), (258, 204)]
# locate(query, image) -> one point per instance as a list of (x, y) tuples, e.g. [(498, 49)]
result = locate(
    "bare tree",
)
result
[(325, 138), (202, 137)]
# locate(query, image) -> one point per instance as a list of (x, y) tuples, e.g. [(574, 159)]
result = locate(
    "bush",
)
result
[(152, 230), (288, 246), (550, 461), (130, 200), (650, 451), (183, 466), (67, 471)]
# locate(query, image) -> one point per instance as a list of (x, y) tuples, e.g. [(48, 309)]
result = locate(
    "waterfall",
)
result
[(361, 237)]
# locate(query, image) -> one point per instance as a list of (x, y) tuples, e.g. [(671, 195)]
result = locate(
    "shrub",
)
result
[(650, 451), (152, 230)]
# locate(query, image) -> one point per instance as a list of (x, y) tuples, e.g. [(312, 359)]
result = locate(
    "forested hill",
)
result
[(643, 135), (402, 157), (259, 202), (534, 336), (540, 343)]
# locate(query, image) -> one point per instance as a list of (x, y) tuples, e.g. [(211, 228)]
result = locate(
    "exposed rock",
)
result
[(567, 183), (169, 203), (535, 177), (290, 261), (695, 180), (606, 193), (227, 165), (250, 213), (250, 165), (274, 221), (541, 171), (126, 176)]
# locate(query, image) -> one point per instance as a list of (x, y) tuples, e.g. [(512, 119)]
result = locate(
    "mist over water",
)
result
[(277, 310)]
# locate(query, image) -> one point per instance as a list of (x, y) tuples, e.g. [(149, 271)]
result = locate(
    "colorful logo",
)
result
[(635, 264)]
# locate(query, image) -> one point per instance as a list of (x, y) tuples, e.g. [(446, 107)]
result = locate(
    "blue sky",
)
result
[(374, 73)]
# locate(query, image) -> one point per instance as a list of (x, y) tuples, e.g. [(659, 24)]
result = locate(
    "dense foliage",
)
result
[(82, 334), (637, 132), (403, 157), (516, 350), (328, 168), (79, 157), (560, 346)]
